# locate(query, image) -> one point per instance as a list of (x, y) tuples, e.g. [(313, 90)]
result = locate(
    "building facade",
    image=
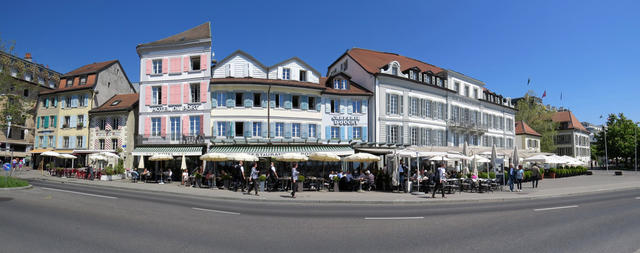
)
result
[(527, 139), (21, 80), (418, 104), (572, 138), (345, 114), (113, 126), (63, 113)]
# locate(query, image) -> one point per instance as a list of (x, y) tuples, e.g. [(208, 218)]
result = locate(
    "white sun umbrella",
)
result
[(440, 158), (362, 157), (516, 157), (324, 157), (480, 159), (68, 156), (465, 153), (183, 165), (242, 157), (291, 157), (160, 157), (214, 157), (50, 154), (141, 162), (493, 162)]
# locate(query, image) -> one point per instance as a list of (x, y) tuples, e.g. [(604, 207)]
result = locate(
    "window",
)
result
[(65, 142), (312, 131), (335, 132), (101, 144), (357, 106), (83, 80), (357, 133), (334, 106), (475, 93), (414, 135), (42, 143), (114, 144), (238, 99), (25, 92), (286, 74), (102, 124), (157, 95), (427, 79), (413, 106), (81, 101), (413, 75), (456, 87), (222, 128), (195, 92), (295, 101), (257, 129), (439, 81), (466, 91), (53, 120), (79, 141), (69, 82), (279, 129), (345, 84), (195, 62), (155, 126), (194, 125), (336, 84), (394, 104), (312, 103), (394, 70), (68, 101), (295, 130), (157, 66), (67, 121), (174, 125), (80, 122), (221, 99), (277, 101), (393, 134), (116, 123), (256, 100), (303, 76)]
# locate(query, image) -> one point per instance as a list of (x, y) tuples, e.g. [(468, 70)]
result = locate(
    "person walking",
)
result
[(239, 178), (273, 177), (512, 176), (439, 178), (253, 179), (401, 170), (520, 177), (294, 179), (535, 175)]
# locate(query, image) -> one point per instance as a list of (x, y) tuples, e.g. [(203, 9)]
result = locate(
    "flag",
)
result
[(601, 116), (560, 95), (528, 81), (544, 94)]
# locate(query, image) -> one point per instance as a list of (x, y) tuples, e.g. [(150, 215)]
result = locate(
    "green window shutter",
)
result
[(37, 122)]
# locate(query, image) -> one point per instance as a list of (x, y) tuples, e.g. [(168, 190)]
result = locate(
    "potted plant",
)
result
[(552, 172), (226, 179), (198, 178), (336, 184), (261, 180), (300, 182), (107, 173)]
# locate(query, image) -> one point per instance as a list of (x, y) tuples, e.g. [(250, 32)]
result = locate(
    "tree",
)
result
[(538, 117), (12, 103), (621, 140)]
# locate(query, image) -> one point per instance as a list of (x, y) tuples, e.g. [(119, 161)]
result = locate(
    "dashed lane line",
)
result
[(79, 193), (214, 211), (554, 208), (394, 218)]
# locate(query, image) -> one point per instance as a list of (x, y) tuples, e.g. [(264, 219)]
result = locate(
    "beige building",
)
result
[(527, 139), (572, 138), (113, 126)]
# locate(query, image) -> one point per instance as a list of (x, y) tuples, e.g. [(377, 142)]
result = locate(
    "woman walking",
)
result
[(519, 177), (294, 179)]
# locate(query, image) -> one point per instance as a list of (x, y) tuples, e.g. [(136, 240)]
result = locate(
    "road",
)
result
[(55, 217)]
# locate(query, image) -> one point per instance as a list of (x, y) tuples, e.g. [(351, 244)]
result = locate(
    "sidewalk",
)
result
[(598, 182)]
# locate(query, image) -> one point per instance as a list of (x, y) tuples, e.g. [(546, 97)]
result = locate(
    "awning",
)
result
[(38, 151), (14, 154), (173, 151), (91, 151), (274, 150)]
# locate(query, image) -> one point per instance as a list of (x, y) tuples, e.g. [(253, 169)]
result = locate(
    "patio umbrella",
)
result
[(465, 163), (50, 154), (291, 157), (183, 165), (242, 157), (440, 158), (324, 157), (160, 157), (515, 158), (141, 162), (493, 161), (480, 159), (362, 157), (68, 156), (214, 157)]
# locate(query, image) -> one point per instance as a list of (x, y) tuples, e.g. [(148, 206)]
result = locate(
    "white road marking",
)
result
[(214, 211), (394, 218), (554, 208), (80, 193), (637, 197)]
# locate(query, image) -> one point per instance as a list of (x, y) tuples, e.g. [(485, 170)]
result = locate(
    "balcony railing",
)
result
[(467, 125), (182, 139)]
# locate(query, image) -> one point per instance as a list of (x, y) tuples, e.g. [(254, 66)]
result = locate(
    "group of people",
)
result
[(516, 177), (240, 179), (348, 181)]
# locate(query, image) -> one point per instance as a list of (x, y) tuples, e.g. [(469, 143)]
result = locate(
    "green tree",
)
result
[(538, 117), (621, 141), (12, 103)]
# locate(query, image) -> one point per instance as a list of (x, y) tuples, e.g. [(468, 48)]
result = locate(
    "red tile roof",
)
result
[(373, 61), (127, 102), (90, 68), (568, 117), (523, 128)]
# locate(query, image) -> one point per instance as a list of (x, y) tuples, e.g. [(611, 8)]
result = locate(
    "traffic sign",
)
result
[(7, 166)]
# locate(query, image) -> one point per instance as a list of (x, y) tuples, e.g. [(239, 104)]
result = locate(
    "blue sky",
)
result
[(586, 50)]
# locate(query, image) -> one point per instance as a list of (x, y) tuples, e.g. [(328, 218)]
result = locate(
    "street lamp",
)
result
[(606, 156), (635, 150)]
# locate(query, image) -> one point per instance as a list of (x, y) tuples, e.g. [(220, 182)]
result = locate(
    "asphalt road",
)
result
[(55, 217)]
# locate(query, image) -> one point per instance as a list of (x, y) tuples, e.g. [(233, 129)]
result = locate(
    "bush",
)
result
[(484, 175), (301, 178), (120, 167), (12, 182), (262, 178), (553, 170), (109, 171), (226, 177), (528, 175)]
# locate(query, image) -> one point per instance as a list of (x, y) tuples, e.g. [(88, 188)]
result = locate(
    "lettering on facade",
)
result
[(345, 120), (193, 139), (175, 108)]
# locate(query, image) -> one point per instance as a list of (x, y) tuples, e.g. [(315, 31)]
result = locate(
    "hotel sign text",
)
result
[(345, 120)]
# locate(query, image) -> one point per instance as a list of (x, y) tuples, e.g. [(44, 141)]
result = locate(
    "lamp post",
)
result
[(606, 156), (635, 150)]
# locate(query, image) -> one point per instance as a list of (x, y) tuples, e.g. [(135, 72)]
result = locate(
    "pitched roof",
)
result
[(373, 61), (266, 82), (353, 88), (90, 68), (523, 128), (127, 102), (568, 117), (202, 31), (295, 58)]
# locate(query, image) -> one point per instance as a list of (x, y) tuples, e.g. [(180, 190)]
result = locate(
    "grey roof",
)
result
[(297, 59), (200, 32), (465, 77), (240, 52)]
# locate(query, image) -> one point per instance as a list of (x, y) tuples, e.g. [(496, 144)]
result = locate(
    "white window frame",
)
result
[(295, 130), (194, 89), (286, 74), (335, 133), (279, 131), (156, 66), (257, 129), (356, 133), (194, 125), (175, 127), (312, 131), (156, 125), (156, 95), (222, 128)]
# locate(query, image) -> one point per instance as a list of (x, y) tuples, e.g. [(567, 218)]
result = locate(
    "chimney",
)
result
[(27, 57)]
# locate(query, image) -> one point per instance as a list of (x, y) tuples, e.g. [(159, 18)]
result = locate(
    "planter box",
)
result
[(618, 173), (336, 186), (300, 186), (261, 185), (111, 177)]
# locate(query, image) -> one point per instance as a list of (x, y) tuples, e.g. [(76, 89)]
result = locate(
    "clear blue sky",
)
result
[(587, 50)]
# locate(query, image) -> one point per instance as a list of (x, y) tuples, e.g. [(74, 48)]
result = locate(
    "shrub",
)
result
[(12, 182), (484, 175), (528, 175), (301, 178), (553, 170), (262, 178), (109, 171), (120, 167), (336, 178)]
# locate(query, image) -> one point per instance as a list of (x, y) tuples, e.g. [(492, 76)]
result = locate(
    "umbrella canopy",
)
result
[(480, 159), (494, 158), (516, 158), (242, 157), (214, 157), (141, 163), (98, 158), (291, 157), (440, 158), (324, 157), (67, 156), (183, 166), (457, 157), (160, 157), (50, 153), (362, 157), (109, 154), (537, 158), (464, 148)]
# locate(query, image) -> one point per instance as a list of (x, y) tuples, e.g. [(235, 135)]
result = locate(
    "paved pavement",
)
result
[(599, 182)]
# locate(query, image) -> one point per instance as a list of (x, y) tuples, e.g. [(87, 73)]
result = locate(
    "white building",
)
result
[(418, 104), (572, 138)]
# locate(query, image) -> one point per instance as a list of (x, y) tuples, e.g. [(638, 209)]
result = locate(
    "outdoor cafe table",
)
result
[(285, 182)]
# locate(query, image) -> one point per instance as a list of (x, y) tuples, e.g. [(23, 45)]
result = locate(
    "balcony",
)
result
[(467, 126), (183, 139)]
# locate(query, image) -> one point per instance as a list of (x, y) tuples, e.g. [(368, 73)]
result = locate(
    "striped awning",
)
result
[(274, 150), (173, 151)]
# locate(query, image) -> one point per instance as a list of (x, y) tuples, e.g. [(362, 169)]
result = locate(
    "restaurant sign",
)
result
[(345, 120), (175, 108)]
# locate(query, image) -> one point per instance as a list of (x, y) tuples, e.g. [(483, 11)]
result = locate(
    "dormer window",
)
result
[(412, 75), (427, 79), (344, 84), (83, 80), (69, 82), (303, 75), (336, 84), (440, 82), (286, 74), (394, 70)]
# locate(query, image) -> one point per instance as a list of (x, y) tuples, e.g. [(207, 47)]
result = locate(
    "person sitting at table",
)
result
[(370, 180), (340, 175), (185, 176), (332, 175), (134, 175), (350, 181), (146, 174)]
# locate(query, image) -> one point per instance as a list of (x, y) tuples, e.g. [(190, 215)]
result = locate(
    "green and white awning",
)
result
[(173, 151), (274, 150)]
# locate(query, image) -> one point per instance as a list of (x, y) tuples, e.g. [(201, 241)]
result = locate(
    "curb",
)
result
[(16, 188), (361, 202)]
